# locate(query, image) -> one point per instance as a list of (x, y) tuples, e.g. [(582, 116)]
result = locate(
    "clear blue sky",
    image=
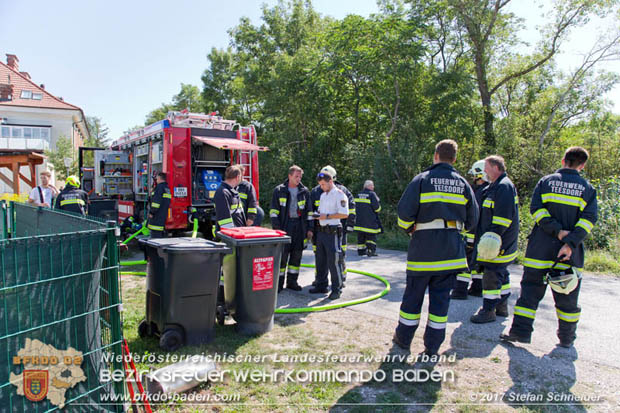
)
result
[(119, 60)]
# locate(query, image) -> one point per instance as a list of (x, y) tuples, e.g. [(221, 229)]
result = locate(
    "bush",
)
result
[(606, 232)]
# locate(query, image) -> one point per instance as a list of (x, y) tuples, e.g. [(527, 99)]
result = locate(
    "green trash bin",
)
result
[(181, 290), (250, 288)]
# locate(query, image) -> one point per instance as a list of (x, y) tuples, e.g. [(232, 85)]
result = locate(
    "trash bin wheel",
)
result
[(220, 315), (172, 339), (143, 329)]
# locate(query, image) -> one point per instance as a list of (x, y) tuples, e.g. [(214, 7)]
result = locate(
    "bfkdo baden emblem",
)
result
[(35, 384)]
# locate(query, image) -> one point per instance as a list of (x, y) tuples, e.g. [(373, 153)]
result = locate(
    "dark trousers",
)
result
[(533, 290), (328, 253), (463, 279), (495, 287), (292, 252), (366, 242), (439, 287), (343, 253)]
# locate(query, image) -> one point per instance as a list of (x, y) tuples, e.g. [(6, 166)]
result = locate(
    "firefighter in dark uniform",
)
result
[(228, 207), (461, 292), (435, 207), (496, 240), (565, 210), (333, 208), (347, 223), (367, 207), (72, 198), (290, 204), (247, 194), (160, 202)]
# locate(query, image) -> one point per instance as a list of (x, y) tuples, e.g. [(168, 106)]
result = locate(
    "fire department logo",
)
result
[(35, 384)]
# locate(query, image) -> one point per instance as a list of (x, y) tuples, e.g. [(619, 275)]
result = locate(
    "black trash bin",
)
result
[(251, 277), (181, 290)]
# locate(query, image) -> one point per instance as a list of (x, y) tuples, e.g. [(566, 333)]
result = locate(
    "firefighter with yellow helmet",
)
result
[(72, 198), (565, 210)]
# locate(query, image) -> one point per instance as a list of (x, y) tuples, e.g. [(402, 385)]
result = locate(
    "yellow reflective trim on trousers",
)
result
[(155, 205), (540, 214), (404, 224), (155, 227), (225, 221), (243, 195), (468, 235), (317, 202), (491, 292), (501, 221), (501, 259), (410, 316), (542, 264), (437, 265), (488, 203), (378, 210), (300, 203), (568, 317), (362, 200), (282, 201), (464, 275), (368, 230), (437, 318), (274, 211), (234, 206), (442, 197), (72, 201), (585, 224), (252, 210), (525, 312), (564, 200), (352, 211), (505, 287)]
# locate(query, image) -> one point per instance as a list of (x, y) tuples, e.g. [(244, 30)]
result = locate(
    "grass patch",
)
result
[(393, 240), (602, 261)]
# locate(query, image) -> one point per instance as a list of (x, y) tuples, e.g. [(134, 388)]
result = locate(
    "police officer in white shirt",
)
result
[(333, 207)]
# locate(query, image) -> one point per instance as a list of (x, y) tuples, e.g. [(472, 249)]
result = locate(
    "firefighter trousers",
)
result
[(291, 253), (495, 287), (366, 243), (328, 253), (439, 287), (463, 279), (533, 288)]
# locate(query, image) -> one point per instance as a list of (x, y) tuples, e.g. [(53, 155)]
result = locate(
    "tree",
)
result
[(64, 149), (188, 98), (98, 132)]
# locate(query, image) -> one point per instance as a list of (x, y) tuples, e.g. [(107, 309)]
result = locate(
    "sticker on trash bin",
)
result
[(262, 273)]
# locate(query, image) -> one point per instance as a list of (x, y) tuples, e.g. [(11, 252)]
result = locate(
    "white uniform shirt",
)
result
[(47, 195), (333, 202)]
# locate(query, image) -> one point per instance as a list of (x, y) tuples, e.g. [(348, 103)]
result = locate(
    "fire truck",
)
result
[(193, 149)]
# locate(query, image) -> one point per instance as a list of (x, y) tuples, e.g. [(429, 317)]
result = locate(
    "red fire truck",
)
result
[(192, 149)]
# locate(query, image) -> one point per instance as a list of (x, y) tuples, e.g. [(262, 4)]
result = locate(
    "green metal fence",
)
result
[(59, 285)]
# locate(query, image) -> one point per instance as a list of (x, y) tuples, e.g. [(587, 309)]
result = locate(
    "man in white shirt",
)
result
[(43, 194), (333, 207)]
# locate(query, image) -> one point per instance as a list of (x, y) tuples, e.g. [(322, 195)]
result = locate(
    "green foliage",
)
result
[(188, 98), (64, 149), (606, 232)]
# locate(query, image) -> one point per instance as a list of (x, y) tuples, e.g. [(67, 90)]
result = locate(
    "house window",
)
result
[(27, 133), (45, 134), (16, 132), (6, 132), (26, 94), (37, 96)]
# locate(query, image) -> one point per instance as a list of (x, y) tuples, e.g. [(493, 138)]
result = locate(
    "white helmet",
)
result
[(477, 170), (563, 282)]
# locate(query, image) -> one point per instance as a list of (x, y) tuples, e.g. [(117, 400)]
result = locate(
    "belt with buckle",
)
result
[(330, 229), (439, 224)]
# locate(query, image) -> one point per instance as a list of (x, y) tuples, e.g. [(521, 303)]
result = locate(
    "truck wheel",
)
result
[(220, 315), (171, 340), (143, 329)]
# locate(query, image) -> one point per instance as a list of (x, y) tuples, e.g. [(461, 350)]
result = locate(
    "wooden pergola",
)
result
[(14, 159)]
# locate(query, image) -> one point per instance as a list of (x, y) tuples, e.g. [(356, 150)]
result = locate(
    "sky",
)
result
[(120, 60)]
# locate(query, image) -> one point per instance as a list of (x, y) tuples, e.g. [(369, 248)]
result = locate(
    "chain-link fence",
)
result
[(59, 295)]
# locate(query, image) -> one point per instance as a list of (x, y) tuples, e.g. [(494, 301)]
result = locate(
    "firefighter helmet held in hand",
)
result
[(477, 170), (489, 245), (563, 281)]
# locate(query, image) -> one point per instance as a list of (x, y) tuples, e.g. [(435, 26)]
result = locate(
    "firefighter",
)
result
[(289, 212), (435, 207), (367, 223), (228, 207), (496, 240), (72, 198), (347, 224), (565, 210), (461, 292), (160, 202), (247, 193), (333, 208)]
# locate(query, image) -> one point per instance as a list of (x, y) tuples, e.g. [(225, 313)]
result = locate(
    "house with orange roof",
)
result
[(31, 121)]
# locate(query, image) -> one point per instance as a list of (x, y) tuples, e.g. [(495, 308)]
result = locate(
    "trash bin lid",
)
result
[(187, 244), (252, 232)]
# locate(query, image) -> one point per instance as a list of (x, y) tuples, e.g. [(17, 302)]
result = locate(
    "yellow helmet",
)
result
[(73, 181)]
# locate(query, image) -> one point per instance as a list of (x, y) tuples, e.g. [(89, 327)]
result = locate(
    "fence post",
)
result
[(114, 296)]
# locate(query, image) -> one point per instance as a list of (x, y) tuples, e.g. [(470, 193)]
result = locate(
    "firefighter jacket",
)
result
[(315, 198), (72, 199), (279, 209), (437, 195), (247, 193), (228, 207), (499, 213), (561, 201), (470, 237), (367, 209), (160, 202)]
